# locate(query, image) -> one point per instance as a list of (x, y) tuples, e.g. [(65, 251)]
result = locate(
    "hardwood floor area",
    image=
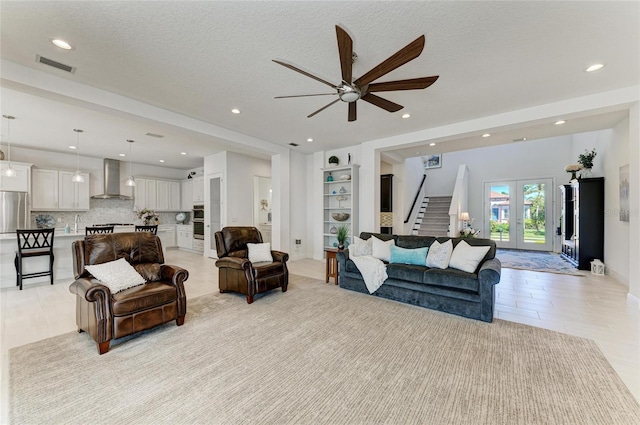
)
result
[(594, 307)]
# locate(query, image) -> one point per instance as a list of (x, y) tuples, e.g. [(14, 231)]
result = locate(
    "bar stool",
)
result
[(93, 230), (33, 243), (153, 229)]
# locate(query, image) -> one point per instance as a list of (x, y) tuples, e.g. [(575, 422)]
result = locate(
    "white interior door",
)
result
[(517, 212), (213, 213)]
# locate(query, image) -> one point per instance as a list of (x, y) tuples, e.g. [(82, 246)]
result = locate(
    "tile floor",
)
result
[(593, 307)]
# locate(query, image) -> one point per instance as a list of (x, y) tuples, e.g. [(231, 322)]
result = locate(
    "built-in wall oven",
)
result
[(198, 222)]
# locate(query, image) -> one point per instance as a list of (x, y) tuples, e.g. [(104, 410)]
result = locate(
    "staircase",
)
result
[(433, 216)]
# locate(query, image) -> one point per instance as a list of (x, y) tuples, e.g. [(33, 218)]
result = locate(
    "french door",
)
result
[(518, 214)]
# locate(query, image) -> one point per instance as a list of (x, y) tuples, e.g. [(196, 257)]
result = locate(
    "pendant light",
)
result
[(9, 172), (131, 182), (77, 177)]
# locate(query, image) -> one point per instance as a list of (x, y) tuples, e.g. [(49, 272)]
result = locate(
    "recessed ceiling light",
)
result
[(432, 144), (183, 153), (309, 140), (417, 152), (122, 154), (161, 160), (235, 111), (560, 122), (594, 67), (72, 147), (62, 44), (405, 116), (522, 139), (486, 135)]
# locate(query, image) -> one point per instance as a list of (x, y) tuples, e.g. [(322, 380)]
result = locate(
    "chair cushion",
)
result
[(267, 269), (143, 297)]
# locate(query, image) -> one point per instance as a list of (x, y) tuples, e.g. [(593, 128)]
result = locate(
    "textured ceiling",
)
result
[(201, 59)]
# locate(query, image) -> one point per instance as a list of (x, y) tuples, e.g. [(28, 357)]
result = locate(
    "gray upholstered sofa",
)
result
[(453, 291)]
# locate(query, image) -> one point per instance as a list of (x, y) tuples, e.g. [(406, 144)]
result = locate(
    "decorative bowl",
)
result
[(345, 177), (340, 216)]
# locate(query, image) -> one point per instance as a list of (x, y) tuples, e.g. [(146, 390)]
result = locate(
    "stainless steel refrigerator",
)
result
[(13, 211)]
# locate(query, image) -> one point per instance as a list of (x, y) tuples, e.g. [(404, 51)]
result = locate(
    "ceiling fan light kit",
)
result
[(350, 91)]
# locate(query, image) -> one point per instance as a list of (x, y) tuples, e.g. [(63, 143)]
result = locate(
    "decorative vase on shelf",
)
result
[(573, 176), (333, 230), (585, 173), (329, 177), (343, 190)]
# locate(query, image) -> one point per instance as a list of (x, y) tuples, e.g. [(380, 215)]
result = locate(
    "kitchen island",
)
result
[(63, 263)]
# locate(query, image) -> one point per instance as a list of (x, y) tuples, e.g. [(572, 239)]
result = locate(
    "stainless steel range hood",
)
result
[(111, 178)]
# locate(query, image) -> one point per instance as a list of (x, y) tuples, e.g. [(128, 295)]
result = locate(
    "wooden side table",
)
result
[(332, 264)]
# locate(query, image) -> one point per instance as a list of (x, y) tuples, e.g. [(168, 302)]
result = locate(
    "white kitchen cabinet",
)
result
[(44, 190), (186, 195), (18, 183), (174, 196), (198, 190), (167, 235), (71, 195), (184, 236), (53, 190), (157, 194)]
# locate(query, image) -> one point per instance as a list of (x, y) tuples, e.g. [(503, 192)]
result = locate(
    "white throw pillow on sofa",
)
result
[(439, 254), (381, 249), (259, 252), (116, 275), (360, 247), (466, 257)]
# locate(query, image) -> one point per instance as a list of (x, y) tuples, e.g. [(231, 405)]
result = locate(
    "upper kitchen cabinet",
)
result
[(54, 190), (198, 190), (186, 195), (19, 182), (159, 195)]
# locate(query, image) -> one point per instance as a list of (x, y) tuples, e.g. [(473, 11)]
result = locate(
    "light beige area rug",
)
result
[(319, 354)]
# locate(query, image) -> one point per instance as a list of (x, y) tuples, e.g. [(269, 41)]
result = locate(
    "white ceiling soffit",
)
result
[(201, 59)]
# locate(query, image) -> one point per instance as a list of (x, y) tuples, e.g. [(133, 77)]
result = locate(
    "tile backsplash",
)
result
[(103, 211)]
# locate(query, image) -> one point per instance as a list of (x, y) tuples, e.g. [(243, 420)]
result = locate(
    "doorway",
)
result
[(518, 212), (213, 217)]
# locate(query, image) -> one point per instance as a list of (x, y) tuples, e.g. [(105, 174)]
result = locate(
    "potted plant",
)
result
[(341, 235), (334, 160), (586, 160)]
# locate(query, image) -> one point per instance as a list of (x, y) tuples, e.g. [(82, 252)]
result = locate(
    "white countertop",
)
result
[(60, 233)]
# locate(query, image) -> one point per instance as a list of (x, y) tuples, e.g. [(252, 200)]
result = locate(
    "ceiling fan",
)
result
[(351, 91)]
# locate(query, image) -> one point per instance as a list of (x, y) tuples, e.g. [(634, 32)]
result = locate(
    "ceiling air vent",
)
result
[(293, 144), (51, 62), (158, 136)]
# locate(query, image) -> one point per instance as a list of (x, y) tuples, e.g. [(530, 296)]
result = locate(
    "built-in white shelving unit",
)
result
[(340, 196)]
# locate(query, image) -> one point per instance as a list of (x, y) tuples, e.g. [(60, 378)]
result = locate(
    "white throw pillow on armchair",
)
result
[(259, 252)]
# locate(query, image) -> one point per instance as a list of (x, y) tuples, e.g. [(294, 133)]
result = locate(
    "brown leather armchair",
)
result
[(237, 274), (106, 316)]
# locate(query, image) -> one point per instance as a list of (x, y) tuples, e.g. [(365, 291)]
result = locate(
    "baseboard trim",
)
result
[(633, 300)]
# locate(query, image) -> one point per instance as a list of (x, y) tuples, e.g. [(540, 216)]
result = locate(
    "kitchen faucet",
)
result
[(75, 223)]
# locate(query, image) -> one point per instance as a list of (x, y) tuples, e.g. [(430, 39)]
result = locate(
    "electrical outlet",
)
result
[(298, 241)]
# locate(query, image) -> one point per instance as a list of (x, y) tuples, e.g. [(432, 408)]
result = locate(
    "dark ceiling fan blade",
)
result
[(305, 73), (345, 48), (323, 108), (306, 95), (381, 103), (411, 84), (352, 111), (402, 56)]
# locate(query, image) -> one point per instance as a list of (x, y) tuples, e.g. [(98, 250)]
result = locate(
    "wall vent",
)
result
[(293, 144), (157, 136), (51, 62)]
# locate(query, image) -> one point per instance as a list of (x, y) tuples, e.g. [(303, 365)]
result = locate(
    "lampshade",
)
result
[(464, 216), (131, 182), (9, 171), (77, 177)]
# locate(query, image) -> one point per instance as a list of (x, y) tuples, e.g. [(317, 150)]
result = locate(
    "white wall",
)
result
[(298, 219), (613, 155)]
